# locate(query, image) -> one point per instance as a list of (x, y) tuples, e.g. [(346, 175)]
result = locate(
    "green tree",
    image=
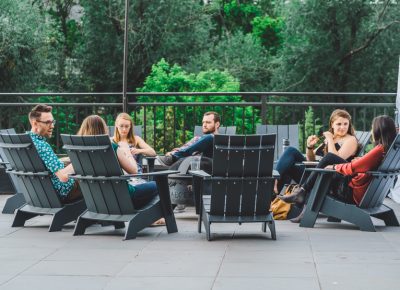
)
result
[(269, 31), (173, 29), (242, 56), (330, 45), (231, 16), (65, 39), (167, 78), (23, 43)]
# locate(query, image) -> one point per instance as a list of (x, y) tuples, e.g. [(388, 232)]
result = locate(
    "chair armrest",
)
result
[(200, 173), (19, 146), (122, 177), (157, 173), (44, 173), (379, 173), (98, 178), (150, 162), (309, 164), (200, 178), (322, 170)]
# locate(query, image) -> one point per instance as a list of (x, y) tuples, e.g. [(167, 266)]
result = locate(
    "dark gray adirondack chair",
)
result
[(17, 200), (363, 138), (372, 203), (145, 160), (35, 184), (290, 132), (241, 185), (105, 188), (229, 130)]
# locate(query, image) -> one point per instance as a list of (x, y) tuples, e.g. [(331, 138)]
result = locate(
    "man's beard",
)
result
[(209, 131)]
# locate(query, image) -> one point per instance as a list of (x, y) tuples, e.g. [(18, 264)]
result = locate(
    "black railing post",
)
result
[(264, 109), (125, 62)]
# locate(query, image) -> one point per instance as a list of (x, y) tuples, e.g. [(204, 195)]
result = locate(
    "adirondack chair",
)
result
[(241, 185), (229, 130), (290, 132), (147, 161), (17, 199), (105, 188), (35, 184), (363, 138), (372, 203)]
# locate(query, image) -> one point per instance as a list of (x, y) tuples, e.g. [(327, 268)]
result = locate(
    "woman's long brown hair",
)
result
[(93, 125), (383, 131)]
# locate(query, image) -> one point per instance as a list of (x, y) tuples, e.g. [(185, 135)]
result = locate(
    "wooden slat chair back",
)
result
[(17, 200), (105, 188), (290, 132), (363, 138), (137, 129), (372, 203), (35, 183), (94, 156), (25, 162), (223, 130), (382, 183), (241, 181)]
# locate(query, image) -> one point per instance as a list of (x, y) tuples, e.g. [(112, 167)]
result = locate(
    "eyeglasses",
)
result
[(48, 123)]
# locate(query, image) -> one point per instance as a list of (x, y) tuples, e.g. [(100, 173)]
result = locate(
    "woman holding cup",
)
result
[(339, 140)]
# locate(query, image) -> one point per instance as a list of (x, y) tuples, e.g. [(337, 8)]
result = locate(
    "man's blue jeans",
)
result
[(287, 167), (203, 145)]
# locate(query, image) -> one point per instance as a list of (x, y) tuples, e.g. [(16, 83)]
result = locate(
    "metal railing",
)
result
[(168, 119)]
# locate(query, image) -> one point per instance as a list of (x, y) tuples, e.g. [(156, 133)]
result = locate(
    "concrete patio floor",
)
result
[(330, 256)]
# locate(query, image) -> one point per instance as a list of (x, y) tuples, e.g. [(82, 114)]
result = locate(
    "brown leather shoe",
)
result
[(300, 216), (297, 196)]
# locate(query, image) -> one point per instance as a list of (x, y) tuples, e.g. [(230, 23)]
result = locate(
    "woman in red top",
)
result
[(383, 134)]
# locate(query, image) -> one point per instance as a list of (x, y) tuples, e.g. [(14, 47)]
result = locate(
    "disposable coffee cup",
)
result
[(195, 163)]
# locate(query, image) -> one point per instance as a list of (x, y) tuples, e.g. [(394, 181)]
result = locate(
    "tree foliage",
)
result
[(330, 45), (181, 120), (173, 29), (23, 42), (242, 55)]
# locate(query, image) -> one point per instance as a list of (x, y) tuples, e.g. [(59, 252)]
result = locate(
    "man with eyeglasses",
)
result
[(42, 122)]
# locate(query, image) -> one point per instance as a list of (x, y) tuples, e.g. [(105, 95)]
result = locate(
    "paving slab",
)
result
[(240, 283), (56, 282), (75, 268), (160, 283)]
